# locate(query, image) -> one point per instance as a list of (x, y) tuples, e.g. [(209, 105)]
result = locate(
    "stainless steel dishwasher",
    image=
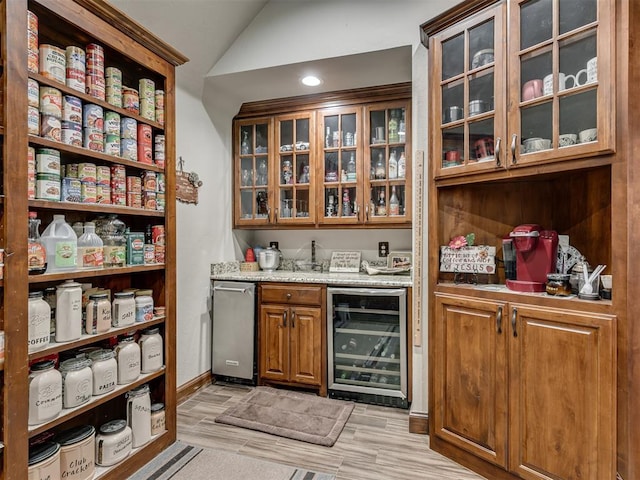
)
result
[(234, 331)]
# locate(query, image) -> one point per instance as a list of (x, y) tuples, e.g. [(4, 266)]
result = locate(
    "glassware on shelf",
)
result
[(393, 166), (114, 242), (351, 168), (381, 207), (393, 128), (380, 171), (402, 165), (394, 203), (346, 203)]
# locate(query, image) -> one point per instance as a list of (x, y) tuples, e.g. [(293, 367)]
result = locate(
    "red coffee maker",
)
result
[(536, 255)]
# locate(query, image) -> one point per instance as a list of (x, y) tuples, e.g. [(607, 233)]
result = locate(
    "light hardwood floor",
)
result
[(374, 445)]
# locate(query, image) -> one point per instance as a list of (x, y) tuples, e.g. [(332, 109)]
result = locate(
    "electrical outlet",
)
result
[(273, 245), (383, 249)]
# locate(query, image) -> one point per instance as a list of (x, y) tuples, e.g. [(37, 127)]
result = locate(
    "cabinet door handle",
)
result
[(514, 144), (514, 316), (499, 320), (284, 319), (275, 217), (293, 319), (497, 152), (366, 211), (269, 214)]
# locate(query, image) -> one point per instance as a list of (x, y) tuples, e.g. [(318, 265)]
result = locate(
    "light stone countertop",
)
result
[(343, 279)]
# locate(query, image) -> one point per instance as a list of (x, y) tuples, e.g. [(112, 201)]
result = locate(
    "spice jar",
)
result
[(128, 357), (152, 352), (113, 443), (105, 371), (45, 392), (68, 311), (139, 415), (77, 452), (44, 461), (77, 382), (39, 322), (157, 419), (123, 312), (98, 315), (558, 284), (144, 305)]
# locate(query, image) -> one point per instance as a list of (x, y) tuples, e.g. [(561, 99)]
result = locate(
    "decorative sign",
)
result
[(186, 191), (345, 262), (476, 259)]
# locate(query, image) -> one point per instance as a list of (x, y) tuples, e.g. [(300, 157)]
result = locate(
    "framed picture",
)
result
[(399, 260)]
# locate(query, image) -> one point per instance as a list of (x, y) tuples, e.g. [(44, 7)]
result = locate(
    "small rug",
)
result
[(296, 415), (181, 461)]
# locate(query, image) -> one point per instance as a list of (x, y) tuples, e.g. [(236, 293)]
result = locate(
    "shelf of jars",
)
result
[(101, 471), (99, 272), (95, 207)]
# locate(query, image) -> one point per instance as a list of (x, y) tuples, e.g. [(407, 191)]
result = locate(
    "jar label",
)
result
[(91, 257), (66, 254), (36, 256)]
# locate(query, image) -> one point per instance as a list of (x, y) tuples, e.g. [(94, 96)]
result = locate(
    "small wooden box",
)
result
[(249, 266)]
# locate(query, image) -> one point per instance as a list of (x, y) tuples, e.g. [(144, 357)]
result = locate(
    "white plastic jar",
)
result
[(44, 461), (77, 453), (105, 371), (123, 311), (144, 305), (151, 346), (139, 415), (113, 443), (98, 315), (39, 322), (77, 382), (128, 357), (68, 311), (45, 392)]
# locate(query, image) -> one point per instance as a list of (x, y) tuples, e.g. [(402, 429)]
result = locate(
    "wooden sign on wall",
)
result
[(186, 191)]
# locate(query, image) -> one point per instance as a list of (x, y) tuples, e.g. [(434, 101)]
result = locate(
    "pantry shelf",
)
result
[(102, 272), (95, 207)]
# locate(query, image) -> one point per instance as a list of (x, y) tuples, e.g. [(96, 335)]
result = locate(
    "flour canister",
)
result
[(68, 311), (77, 453), (139, 415), (113, 443), (45, 392), (44, 461), (77, 381)]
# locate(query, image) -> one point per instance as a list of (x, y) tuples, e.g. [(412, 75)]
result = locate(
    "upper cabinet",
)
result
[(331, 160), (517, 84)]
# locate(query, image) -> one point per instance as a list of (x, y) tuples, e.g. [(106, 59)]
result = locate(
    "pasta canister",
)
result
[(53, 62), (75, 73)]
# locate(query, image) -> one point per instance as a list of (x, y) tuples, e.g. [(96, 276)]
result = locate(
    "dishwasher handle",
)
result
[(229, 289)]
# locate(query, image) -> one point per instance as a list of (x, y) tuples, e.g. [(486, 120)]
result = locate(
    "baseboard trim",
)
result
[(419, 423), (192, 386)]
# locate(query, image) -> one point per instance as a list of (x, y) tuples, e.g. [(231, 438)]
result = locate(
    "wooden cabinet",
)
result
[(528, 389), (517, 85), (292, 336), (138, 55), (330, 160)]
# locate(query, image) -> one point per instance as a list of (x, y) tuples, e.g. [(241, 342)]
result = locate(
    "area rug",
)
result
[(181, 461), (291, 414)]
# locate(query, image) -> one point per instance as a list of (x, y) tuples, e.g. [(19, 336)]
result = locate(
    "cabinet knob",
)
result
[(288, 296)]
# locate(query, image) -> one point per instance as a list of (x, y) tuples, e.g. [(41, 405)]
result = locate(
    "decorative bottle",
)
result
[(382, 205), (394, 203), (346, 203), (380, 168), (36, 253), (402, 165), (351, 168), (393, 166), (393, 129)]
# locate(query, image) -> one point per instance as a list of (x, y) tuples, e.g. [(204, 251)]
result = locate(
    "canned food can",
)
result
[(119, 199), (71, 134), (145, 154), (113, 95), (157, 234), (50, 127), (72, 109), (159, 162), (134, 184), (33, 44), (130, 99), (33, 57), (94, 86), (88, 192), (50, 101), (93, 139), (159, 96), (87, 172), (31, 187), (160, 115), (118, 172), (159, 143), (33, 93), (95, 58), (53, 62), (31, 157), (148, 109), (112, 144), (129, 149), (75, 74), (113, 77), (103, 194), (71, 170), (48, 187), (48, 161), (93, 117), (145, 133), (32, 22), (160, 198), (159, 252), (103, 175), (71, 190), (134, 200), (160, 181), (149, 200), (33, 120), (129, 128), (147, 88), (149, 181), (111, 123), (149, 254)]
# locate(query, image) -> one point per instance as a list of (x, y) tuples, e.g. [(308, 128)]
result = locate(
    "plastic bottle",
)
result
[(90, 248), (394, 203), (114, 242), (61, 244), (36, 253)]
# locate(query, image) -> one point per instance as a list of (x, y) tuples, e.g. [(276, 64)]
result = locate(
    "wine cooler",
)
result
[(367, 347)]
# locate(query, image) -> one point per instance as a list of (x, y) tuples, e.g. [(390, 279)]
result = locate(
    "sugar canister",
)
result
[(45, 392), (105, 371), (77, 381), (128, 357), (139, 414), (152, 352), (77, 452), (44, 461), (113, 443), (68, 311)]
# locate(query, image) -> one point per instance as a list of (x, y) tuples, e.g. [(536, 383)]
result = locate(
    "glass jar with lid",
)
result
[(39, 322), (113, 443), (98, 314), (152, 350), (45, 392), (144, 305), (77, 381), (123, 309), (139, 415), (105, 371), (128, 357)]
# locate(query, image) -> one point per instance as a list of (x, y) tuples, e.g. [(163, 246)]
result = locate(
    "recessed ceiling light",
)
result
[(311, 81)]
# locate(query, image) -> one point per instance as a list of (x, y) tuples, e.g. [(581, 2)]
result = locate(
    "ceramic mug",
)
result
[(484, 148), (536, 144), (567, 139), (452, 156), (576, 79), (592, 70), (588, 135), (454, 113), (532, 89), (547, 83)]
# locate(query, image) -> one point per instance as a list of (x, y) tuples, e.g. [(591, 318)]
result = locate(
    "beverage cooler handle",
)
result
[(284, 321), (499, 320), (228, 289), (514, 316)]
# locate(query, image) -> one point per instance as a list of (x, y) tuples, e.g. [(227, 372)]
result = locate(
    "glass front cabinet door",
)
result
[(254, 194)]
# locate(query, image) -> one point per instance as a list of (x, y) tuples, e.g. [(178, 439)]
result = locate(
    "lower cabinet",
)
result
[(292, 336), (529, 390)]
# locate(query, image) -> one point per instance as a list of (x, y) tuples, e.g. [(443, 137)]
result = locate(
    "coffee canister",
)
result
[(44, 461), (113, 443), (139, 415), (77, 382), (45, 392), (39, 322), (68, 311), (77, 452)]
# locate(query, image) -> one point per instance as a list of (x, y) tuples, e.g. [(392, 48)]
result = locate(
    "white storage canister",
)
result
[(139, 415), (152, 351), (45, 392), (123, 312), (144, 305), (68, 311), (44, 461), (77, 453), (128, 357), (98, 314), (158, 424), (77, 382), (39, 322), (113, 443), (105, 371)]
